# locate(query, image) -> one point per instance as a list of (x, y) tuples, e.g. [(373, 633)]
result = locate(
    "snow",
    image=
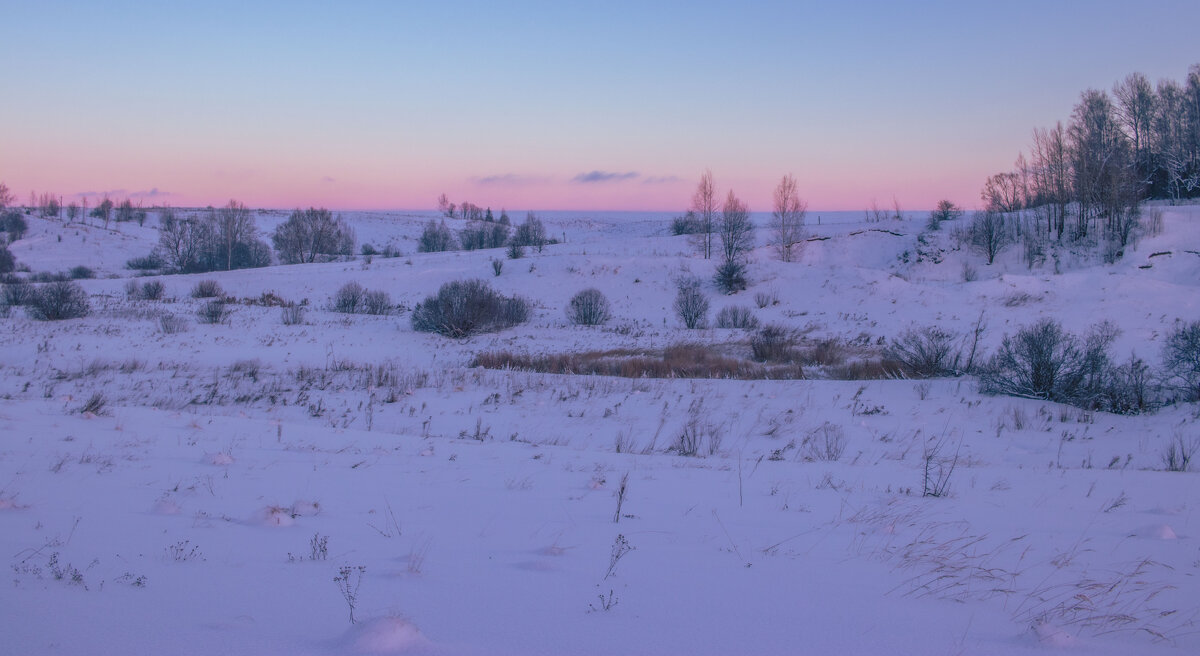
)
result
[(188, 515)]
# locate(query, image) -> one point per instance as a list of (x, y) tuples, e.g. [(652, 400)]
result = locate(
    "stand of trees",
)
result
[(1088, 177), (223, 238)]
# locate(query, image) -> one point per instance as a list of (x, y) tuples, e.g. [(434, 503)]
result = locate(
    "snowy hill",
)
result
[(225, 475)]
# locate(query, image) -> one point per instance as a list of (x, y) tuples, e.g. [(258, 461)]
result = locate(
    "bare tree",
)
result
[(6, 196), (1135, 109), (989, 234), (787, 219), (72, 211), (312, 234), (444, 206), (737, 239), (704, 206), (1002, 192), (234, 225), (104, 210), (1052, 175)]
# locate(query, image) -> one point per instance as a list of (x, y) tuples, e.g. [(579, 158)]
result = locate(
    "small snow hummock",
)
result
[(1051, 635), (275, 516), (219, 459), (386, 635), (1157, 532), (302, 508)]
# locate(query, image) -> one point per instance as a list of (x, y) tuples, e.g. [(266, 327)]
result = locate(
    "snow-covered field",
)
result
[(251, 487)]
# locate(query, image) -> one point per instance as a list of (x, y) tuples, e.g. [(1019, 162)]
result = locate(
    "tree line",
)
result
[(1088, 177)]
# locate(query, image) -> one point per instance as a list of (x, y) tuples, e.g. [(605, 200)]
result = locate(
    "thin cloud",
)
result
[(661, 179), (604, 176), (153, 192), (508, 180), (328, 179)]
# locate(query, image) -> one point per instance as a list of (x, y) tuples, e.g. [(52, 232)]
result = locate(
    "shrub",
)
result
[(737, 316), (171, 324), (207, 289), (14, 225), (465, 307), (435, 238), (50, 276), (8, 263), (18, 292), (946, 211), (82, 273), (773, 343), (1043, 361), (151, 262), (292, 315), (368, 249), (1181, 360), (588, 308), (763, 299), (497, 266), (687, 224), (148, 291), (730, 276), (1179, 453), (214, 312), (153, 290), (691, 304), (377, 302), (515, 251), (349, 299), (926, 352), (57, 301)]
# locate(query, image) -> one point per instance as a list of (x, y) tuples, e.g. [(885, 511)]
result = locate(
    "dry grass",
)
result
[(677, 361)]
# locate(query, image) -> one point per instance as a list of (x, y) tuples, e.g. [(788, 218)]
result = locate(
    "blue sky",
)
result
[(388, 104)]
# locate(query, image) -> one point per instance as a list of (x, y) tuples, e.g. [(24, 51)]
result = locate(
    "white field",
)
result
[(184, 519)]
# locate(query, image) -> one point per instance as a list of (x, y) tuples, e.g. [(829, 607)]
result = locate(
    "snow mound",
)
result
[(167, 507), (1051, 635), (1157, 532), (386, 635), (306, 508), (219, 459), (275, 516)]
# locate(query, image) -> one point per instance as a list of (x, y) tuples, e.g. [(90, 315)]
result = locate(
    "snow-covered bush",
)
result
[(376, 302), (8, 263), (1043, 361), (926, 352), (82, 273), (18, 292), (588, 308), (691, 304), (464, 307), (57, 301), (214, 312), (14, 225), (151, 290), (349, 298), (435, 238), (773, 343), (737, 316), (207, 289), (292, 315), (1181, 360)]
